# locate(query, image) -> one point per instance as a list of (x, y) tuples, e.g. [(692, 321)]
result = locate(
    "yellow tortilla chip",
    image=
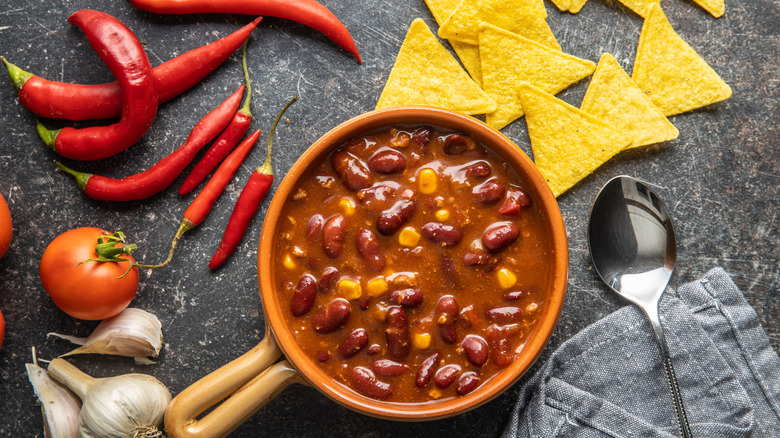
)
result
[(714, 7), (509, 59), (568, 144), (467, 53), (425, 73), (639, 6), (562, 5), (672, 74), (614, 98), (524, 17), (576, 5)]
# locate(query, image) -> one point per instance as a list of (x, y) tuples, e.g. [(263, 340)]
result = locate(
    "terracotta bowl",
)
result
[(254, 378)]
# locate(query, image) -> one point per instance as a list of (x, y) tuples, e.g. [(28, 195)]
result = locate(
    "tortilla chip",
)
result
[(714, 7), (639, 6), (425, 73), (524, 17), (562, 5), (467, 53), (614, 98), (509, 59), (576, 5), (568, 144), (670, 72)]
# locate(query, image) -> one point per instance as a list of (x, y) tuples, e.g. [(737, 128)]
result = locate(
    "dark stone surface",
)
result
[(720, 179)]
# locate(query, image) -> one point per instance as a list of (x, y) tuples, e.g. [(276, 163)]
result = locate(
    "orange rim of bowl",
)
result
[(540, 192)]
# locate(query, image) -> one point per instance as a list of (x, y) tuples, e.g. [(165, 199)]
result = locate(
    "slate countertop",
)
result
[(720, 179)]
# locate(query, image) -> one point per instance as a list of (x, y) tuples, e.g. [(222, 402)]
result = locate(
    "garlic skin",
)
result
[(133, 333), (60, 407), (130, 405)]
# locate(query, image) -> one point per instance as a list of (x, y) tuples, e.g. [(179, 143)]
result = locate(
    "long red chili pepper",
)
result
[(164, 172), (124, 56), (307, 12), (58, 100), (248, 202), (200, 206), (226, 141)]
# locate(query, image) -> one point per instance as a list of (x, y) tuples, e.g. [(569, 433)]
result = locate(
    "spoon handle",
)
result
[(682, 417)]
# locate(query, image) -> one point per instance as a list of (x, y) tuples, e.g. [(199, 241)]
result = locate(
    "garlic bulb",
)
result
[(133, 332), (60, 407), (130, 405)]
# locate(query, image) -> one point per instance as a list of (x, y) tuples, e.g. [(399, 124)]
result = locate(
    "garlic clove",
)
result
[(133, 333), (60, 407)]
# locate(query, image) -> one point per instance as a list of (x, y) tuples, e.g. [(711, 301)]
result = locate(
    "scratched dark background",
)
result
[(720, 178)]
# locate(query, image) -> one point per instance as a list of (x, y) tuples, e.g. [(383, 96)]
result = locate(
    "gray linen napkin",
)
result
[(608, 380)]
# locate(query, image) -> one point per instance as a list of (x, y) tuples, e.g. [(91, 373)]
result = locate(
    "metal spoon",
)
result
[(633, 247)]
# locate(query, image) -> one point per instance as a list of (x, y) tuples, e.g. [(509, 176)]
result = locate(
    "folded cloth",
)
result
[(608, 380)]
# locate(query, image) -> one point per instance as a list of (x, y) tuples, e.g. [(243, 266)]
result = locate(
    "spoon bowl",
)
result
[(633, 247)]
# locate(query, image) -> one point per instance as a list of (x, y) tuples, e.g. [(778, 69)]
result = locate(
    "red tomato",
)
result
[(5, 226), (2, 329), (88, 290)]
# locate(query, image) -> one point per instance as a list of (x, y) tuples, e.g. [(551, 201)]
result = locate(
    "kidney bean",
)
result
[(397, 332), (351, 171), (323, 356), (379, 196), (373, 349), (515, 201), (498, 235), (333, 236), (438, 232), (421, 135), (514, 295), (504, 315), (327, 280), (478, 169), (446, 313), (392, 219), (389, 368), (477, 257), (410, 297), (368, 250), (468, 317), (332, 317), (314, 227), (476, 349), (467, 383), (450, 271), (427, 370), (353, 343), (457, 144), (489, 191), (387, 162), (303, 295), (446, 375), (367, 384), (498, 341)]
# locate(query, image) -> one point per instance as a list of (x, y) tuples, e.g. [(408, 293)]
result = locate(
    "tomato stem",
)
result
[(110, 246)]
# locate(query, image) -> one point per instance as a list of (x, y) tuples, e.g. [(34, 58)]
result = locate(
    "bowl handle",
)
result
[(246, 384)]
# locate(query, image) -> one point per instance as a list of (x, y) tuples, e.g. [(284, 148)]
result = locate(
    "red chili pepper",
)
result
[(248, 202), (226, 141), (164, 172), (307, 12), (200, 206), (58, 100), (124, 56)]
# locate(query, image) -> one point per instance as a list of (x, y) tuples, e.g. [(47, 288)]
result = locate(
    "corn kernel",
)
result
[(350, 290), (376, 286), (288, 262), (427, 181), (506, 278), (408, 237), (347, 205), (442, 215), (421, 341)]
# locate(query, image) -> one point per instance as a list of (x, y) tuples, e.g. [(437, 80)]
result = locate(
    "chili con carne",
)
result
[(122, 52), (248, 202), (58, 100), (307, 12), (164, 172)]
